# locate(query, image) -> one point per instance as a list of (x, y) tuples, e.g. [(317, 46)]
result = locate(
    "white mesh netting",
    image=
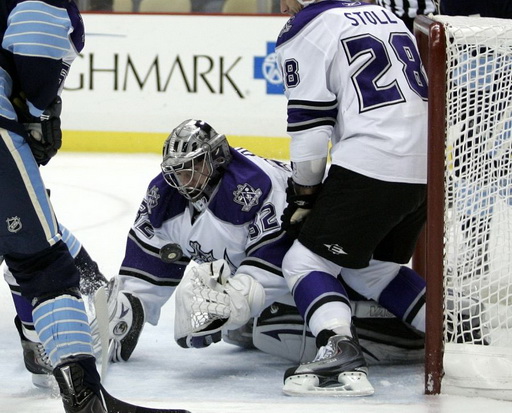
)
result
[(478, 199)]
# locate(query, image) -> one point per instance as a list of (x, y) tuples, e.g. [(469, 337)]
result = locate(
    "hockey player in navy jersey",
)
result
[(353, 78), (208, 230), (35, 358), (40, 39)]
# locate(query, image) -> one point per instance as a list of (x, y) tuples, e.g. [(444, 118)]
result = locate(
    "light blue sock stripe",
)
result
[(28, 8), (6, 109), (59, 355), (63, 328), (63, 310), (31, 19), (66, 326), (71, 241)]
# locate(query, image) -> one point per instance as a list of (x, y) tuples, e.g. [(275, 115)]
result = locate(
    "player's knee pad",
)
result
[(127, 320), (370, 281), (280, 331), (300, 261)]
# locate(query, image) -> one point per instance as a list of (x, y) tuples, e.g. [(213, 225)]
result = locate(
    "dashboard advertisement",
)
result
[(139, 76)]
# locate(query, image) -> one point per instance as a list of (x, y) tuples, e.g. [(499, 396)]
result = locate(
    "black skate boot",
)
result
[(80, 393), (339, 369), (36, 360)]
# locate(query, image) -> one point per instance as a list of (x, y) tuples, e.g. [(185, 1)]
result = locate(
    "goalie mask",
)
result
[(194, 157)]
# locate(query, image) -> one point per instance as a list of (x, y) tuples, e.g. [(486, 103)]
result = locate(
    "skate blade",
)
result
[(350, 384), (44, 381)]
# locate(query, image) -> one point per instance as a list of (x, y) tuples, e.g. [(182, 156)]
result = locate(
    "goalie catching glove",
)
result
[(209, 300), (44, 134)]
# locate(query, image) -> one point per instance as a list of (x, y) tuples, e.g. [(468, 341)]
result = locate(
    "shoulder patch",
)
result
[(247, 196), (152, 198)]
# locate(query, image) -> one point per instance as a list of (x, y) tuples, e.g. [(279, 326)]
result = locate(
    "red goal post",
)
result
[(465, 252)]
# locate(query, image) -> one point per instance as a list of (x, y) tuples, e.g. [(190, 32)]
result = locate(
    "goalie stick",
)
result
[(102, 319), (114, 405)]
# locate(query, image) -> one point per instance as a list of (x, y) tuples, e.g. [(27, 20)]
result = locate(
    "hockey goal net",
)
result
[(466, 254)]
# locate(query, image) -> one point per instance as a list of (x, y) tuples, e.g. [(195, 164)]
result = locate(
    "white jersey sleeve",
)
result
[(142, 271)]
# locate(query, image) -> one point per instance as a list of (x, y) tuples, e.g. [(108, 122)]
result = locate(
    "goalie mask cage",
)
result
[(466, 250)]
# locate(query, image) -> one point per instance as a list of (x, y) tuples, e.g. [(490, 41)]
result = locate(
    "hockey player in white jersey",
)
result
[(219, 208), (353, 77)]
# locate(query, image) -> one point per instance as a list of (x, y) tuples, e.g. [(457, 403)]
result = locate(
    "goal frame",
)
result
[(430, 36), (473, 354)]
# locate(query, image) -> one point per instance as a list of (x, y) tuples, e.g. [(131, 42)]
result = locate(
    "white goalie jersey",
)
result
[(240, 224)]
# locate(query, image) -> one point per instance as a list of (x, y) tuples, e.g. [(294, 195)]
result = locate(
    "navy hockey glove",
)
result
[(299, 206), (44, 134)]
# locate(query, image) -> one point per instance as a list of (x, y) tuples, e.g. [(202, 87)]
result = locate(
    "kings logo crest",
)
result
[(152, 198), (198, 255), (247, 196), (14, 224)]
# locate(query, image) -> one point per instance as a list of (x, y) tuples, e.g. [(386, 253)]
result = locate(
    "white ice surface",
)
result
[(97, 196)]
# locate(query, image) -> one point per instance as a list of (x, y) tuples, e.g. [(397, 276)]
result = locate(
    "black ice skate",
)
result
[(339, 369), (36, 360), (76, 394)]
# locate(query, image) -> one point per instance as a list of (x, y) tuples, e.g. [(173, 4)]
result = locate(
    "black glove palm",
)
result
[(298, 208), (44, 134)]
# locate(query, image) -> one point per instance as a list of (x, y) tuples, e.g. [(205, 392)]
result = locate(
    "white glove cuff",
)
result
[(247, 299)]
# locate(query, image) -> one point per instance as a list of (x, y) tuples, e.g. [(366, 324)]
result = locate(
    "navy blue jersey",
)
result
[(40, 40)]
